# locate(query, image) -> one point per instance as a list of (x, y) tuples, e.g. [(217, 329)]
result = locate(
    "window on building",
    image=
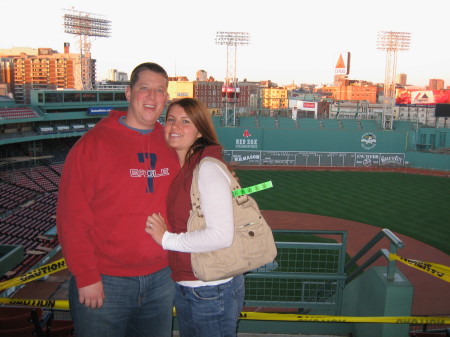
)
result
[(53, 97), (72, 97), (89, 97), (105, 96), (120, 96)]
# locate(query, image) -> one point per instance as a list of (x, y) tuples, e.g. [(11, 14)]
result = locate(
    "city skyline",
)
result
[(290, 42)]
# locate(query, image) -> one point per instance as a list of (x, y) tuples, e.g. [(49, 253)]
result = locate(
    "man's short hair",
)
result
[(156, 68)]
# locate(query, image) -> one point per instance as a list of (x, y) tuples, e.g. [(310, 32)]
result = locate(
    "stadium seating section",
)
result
[(17, 113), (29, 192), (23, 322), (27, 210)]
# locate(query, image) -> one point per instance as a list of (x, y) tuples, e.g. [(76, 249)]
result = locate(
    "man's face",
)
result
[(146, 100)]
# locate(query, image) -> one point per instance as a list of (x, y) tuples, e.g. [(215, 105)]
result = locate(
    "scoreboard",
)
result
[(310, 158)]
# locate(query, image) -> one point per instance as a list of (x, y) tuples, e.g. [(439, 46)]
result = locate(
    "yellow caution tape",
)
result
[(336, 319), (438, 270), (35, 274), (64, 305), (441, 271), (53, 304)]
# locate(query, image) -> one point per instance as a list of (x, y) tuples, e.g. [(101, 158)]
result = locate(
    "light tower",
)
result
[(85, 25), (391, 42), (230, 89)]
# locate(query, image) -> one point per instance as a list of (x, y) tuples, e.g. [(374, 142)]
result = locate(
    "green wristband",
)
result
[(252, 189)]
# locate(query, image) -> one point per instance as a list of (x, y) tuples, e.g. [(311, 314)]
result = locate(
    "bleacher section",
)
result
[(27, 212), (40, 179), (17, 113), (24, 322), (13, 196), (58, 169), (29, 189), (25, 178)]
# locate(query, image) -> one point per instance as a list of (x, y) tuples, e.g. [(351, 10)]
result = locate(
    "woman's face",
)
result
[(179, 130)]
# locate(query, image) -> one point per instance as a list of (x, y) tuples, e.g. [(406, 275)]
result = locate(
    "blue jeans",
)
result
[(210, 311), (133, 306)]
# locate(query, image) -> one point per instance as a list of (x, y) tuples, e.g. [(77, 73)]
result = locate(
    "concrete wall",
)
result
[(371, 294)]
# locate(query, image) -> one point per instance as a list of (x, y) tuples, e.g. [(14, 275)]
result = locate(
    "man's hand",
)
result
[(92, 295)]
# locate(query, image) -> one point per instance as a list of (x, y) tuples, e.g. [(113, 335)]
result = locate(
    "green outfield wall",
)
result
[(307, 147), (236, 138)]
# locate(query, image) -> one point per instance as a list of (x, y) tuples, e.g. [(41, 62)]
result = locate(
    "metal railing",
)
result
[(395, 244), (305, 275)]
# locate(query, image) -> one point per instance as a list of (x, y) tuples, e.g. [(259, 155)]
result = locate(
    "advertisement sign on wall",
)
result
[(320, 159), (99, 111), (421, 97)]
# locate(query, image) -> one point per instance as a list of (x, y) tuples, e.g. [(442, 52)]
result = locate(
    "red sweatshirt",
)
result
[(113, 178)]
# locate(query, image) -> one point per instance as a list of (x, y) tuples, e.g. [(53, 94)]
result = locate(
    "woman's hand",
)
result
[(156, 227)]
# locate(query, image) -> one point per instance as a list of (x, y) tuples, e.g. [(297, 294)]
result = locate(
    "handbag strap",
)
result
[(195, 194)]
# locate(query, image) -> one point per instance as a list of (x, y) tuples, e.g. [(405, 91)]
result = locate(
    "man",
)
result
[(114, 177)]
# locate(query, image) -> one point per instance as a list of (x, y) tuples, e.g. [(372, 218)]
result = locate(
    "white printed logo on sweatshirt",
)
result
[(139, 173), (149, 160)]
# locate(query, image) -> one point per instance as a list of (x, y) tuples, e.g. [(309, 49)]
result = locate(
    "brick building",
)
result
[(42, 68)]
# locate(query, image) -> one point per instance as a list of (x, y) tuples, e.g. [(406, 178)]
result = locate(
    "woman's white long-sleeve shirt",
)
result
[(216, 204)]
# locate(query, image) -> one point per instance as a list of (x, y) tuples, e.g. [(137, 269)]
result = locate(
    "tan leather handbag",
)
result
[(253, 245)]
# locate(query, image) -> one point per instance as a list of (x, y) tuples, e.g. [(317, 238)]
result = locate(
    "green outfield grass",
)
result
[(414, 205)]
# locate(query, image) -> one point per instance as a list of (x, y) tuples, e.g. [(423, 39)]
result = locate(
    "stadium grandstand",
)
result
[(35, 140)]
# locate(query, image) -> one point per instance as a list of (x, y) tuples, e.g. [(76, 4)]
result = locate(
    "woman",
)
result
[(204, 309)]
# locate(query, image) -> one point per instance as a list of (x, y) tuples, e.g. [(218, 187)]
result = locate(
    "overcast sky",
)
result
[(290, 40)]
